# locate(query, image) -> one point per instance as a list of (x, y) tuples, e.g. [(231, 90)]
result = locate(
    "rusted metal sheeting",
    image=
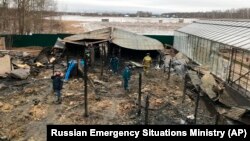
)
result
[(134, 41), (100, 34)]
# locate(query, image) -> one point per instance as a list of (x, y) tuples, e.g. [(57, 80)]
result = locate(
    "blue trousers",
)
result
[(125, 84), (71, 66), (115, 68)]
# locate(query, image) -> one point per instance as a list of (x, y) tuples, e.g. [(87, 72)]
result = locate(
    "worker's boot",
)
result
[(58, 101), (127, 90), (55, 99)]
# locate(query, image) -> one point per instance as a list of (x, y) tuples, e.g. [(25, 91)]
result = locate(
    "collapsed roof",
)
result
[(119, 37)]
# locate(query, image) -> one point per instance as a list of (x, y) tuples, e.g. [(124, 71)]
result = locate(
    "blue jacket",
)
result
[(114, 61), (82, 62), (57, 82), (126, 74)]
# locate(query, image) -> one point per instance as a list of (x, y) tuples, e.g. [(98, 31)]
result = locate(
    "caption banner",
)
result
[(149, 131)]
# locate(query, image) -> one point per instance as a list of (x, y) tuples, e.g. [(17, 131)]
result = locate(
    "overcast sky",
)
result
[(155, 6)]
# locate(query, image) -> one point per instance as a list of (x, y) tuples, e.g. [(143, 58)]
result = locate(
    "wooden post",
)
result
[(92, 54), (102, 68), (108, 50), (196, 105), (105, 53), (119, 53), (139, 96), (67, 59), (86, 89), (102, 59), (146, 110), (169, 68)]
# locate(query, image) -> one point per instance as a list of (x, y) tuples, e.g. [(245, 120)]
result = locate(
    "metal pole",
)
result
[(102, 59), (230, 67), (196, 105), (86, 88), (169, 68), (146, 110), (139, 96), (217, 118), (184, 89)]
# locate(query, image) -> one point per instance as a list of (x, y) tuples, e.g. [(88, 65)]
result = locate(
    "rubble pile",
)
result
[(20, 65), (27, 99)]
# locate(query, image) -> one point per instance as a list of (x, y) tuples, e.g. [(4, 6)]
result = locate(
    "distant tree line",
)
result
[(27, 16), (93, 14), (242, 13), (110, 14), (144, 14)]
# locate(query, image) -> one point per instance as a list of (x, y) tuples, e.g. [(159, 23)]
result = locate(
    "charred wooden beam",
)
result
[(169, 68), (196, 105), (146, 110)]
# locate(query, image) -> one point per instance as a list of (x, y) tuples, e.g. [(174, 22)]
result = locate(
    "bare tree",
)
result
[(27, 16), (3, 14)]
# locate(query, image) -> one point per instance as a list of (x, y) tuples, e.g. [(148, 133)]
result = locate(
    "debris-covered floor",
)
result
[(26, 106)]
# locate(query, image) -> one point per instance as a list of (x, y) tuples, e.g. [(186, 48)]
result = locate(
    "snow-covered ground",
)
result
[(139, 25), (124, 19)]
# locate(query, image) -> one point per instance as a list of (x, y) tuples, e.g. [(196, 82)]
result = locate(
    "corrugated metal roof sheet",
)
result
[(99, 34), (134, 41), (121, 38), (233, 33), (59, 44)]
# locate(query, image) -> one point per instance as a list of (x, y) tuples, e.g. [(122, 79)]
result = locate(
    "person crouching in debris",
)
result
[(126, 77), (147, 60), (114, 63), (57, 85)]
